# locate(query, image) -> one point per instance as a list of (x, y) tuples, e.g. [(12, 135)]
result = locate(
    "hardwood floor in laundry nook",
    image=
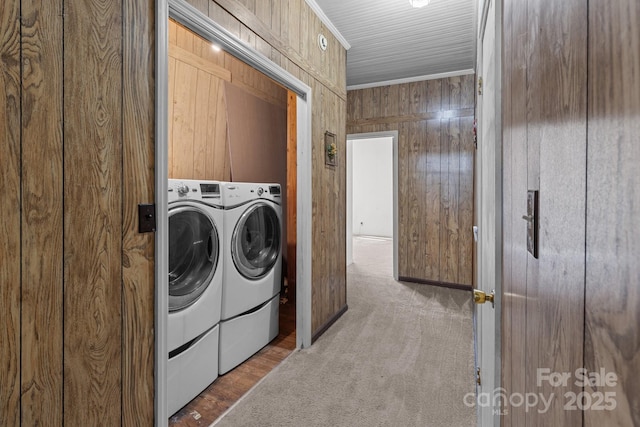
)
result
[(229, 388)]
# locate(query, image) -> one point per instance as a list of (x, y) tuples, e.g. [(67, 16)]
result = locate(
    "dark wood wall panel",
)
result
[(10, 244), (434, 119), (556, 163), (81, 74), (430, 205), (570, 130), (612, 341), (290, 27), (466, 199), (329, 259), (292, 193), (138, 277), (42, 205), (93, 212), (77, 277)]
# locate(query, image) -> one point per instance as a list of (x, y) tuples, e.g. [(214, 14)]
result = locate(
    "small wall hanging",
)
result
[(330, 149)]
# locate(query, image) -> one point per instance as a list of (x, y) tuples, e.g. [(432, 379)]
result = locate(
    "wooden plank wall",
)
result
[(77, 285), (82, 83), (612, 339), (199, 140), (138, 169), (10, 220), (545, 150), (434, 119), (198, 132), (285, 31), (292, 193), (570, 131)]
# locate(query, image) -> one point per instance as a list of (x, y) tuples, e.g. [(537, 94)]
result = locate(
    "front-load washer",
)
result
[(196, 261), (252, 270)]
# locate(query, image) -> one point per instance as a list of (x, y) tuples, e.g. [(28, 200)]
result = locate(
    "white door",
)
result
[(488, 219)]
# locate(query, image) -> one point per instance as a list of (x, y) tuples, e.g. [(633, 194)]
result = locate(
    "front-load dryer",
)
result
[(196, 262), (252, 270)]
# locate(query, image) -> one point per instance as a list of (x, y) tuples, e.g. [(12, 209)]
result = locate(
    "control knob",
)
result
[(183, 189)]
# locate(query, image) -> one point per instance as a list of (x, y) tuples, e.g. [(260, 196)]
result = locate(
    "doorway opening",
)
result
[(372, 192), (186, 15)]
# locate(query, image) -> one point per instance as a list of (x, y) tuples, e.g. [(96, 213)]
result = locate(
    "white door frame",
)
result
[(393, 134), (192, 18), (488, 207)]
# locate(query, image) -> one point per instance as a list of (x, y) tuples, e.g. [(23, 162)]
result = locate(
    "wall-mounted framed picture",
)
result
[(330, 149)]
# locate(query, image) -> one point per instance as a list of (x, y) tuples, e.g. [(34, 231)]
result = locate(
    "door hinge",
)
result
[(146, 218), (479, 85), (478, 379)]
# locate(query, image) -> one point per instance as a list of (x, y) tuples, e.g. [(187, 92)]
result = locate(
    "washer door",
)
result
[(194, 248), (255, 243)]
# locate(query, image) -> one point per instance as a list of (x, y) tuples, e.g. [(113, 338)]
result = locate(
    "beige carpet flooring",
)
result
[(402, 355)]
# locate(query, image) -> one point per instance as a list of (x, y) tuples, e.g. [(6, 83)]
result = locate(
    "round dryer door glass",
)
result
[(193, 255), (255, 244)]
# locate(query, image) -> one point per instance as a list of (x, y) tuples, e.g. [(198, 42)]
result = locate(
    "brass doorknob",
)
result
[(480, 297)]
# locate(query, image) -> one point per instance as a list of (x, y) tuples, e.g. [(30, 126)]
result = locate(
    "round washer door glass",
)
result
[(194, 248), (255, 243)]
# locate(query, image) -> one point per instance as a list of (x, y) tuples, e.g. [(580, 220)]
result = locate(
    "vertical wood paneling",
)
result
[(292, 191), (93, 213), (306, 35), (171, 88), (429, 265), (183, 129), (465, 201), (199, 139), (434, 95), (557, 155), (403, 96), (388, 98), (293, 18), (220, 167), (451, 93), (204, 81), (329, 267), (403, 180), (138, 278), (415, 163), (354, 104), (449, 213), (198, 118), (434, 120), (612, 341), (284, 35), (10, 247), (547, 128), (42, 203)]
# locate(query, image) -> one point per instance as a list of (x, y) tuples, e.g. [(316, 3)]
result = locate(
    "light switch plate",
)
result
[(146, 218)]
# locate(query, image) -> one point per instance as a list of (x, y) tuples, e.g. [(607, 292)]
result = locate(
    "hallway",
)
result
[(401, 355)]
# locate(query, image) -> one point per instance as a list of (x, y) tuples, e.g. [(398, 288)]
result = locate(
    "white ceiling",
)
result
[(391, 41)]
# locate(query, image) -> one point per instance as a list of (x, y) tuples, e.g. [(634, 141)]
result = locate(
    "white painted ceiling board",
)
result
[(390, 40)]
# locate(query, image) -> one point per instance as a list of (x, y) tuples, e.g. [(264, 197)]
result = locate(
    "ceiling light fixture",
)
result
[(419, 3)]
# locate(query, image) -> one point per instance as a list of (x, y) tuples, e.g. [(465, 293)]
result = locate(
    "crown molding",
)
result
[(412, 79)]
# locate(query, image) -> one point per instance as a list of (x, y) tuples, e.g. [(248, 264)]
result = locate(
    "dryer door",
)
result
[(255, 243), (194, 249)]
